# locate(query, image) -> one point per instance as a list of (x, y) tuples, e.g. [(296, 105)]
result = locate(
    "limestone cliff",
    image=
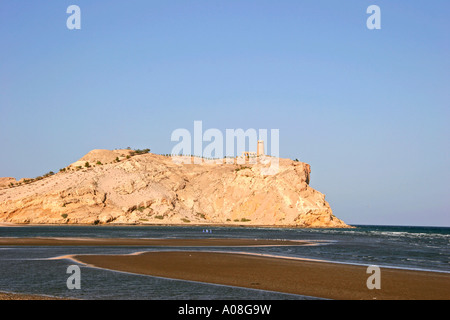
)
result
[(154, 189)]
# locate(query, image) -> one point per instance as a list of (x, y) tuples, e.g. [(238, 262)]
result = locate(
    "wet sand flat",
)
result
[(22, 296), (310, 278), (146, 242)]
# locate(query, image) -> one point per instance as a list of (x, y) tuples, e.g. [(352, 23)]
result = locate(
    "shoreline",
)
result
[(304, 277), (210, 225), (173, 242), (4, 295), (9, 224)]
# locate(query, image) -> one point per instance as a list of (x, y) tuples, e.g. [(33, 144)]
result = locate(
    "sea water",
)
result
[(31, 269)]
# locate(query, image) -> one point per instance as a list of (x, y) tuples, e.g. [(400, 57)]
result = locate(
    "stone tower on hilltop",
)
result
[(260, 149)]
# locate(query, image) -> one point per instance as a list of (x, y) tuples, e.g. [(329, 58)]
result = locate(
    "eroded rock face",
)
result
[(153, 189)]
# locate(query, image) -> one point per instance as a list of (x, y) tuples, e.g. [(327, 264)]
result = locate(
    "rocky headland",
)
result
[(125, 187)]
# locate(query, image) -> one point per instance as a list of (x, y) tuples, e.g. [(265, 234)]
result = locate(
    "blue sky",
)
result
[(367, 109)]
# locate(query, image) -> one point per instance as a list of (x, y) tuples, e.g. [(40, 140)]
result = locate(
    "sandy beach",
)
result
[(9, 224), (310, 278), (21, 296), (147, 242)]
